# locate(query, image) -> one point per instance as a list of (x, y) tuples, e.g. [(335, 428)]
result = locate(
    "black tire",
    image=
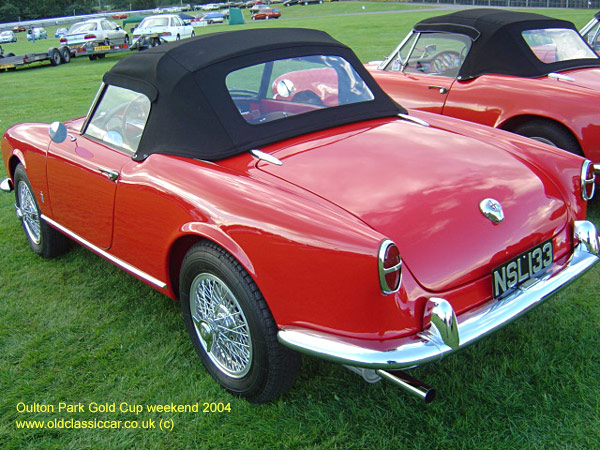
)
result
[(55, 58), (126, 40), (177, 37), (101, 56), (65, 55), (550, 133), (256, 366), (93, 57), (43, 239)]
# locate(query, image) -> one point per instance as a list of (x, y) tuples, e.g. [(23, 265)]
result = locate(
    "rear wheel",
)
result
[(550, 133), (43, 239), (55, 57), (231, 326)]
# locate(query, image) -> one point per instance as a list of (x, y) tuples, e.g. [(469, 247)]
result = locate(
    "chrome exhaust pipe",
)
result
[(409, 384)]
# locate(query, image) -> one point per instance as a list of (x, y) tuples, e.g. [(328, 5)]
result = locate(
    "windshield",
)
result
[(552, 45), (282, 88)]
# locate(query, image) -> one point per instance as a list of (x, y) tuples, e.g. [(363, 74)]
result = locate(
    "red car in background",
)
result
[(343, 228), (522, 72), (266, 14)]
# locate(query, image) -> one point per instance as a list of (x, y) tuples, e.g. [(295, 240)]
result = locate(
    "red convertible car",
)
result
[(346, 231), (522, 72)]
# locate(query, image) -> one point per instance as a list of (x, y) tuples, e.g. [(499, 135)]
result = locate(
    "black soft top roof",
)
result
[(498, 46), (192, 112)]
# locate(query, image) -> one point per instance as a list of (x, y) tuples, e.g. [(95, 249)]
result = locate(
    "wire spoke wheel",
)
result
[(29, 213), (231, 326), (221, 325)]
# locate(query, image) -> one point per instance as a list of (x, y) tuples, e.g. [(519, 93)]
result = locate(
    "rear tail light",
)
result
[(63, 41), (390, 267), (90, 36), (588, 180)]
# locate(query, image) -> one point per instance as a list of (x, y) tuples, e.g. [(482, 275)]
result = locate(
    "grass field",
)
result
[(77, 329)]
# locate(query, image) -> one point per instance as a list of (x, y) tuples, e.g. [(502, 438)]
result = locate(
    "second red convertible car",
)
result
[(522, 72), (350, 230)]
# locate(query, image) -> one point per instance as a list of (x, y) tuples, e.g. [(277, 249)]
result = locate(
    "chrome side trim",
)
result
[(413, 119), (266, 157), (560, 77), (6, 185), (428, 346), (113, 259)]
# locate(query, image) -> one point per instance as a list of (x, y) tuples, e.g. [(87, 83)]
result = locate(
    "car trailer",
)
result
[(98, 49), (55, 55)]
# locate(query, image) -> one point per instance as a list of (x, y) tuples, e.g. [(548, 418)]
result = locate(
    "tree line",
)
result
[(17, 10)]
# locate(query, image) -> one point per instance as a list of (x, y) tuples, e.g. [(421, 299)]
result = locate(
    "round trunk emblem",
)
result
[(492, 209)]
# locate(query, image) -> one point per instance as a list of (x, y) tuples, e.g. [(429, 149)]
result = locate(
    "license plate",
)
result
[(102, 48), (524, 267)]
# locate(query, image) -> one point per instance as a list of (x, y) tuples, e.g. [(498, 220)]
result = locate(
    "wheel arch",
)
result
[(514, 122), (15, 159), (193, 234)]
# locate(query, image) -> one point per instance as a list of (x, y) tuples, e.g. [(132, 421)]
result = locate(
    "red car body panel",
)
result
[(268, 213), (506, 101)]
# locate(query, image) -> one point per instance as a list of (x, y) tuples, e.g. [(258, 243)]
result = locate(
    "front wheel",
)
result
[(43, 239), (55, 57), (231, 327)]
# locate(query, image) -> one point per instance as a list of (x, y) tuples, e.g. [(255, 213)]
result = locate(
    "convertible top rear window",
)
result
[(279, 89)]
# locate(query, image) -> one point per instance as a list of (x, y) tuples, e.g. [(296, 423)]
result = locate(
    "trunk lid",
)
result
[(422, 187)]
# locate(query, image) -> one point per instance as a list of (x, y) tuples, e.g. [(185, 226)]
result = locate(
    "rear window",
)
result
[(287, 87), (552, 45)]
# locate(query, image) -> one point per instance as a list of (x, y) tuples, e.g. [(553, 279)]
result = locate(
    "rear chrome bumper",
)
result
[(447, 333)]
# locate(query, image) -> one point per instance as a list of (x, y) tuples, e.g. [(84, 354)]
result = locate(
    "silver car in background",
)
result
[(169, 27), (94, 30)]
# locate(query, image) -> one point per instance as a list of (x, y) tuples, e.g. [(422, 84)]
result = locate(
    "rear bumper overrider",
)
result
[(448, 333)]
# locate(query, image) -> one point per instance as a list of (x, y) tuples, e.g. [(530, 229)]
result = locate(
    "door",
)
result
[(83, 171), (423, 69), (82, 181)]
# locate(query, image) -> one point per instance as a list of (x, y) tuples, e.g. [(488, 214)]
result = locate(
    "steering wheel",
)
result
[(134, 118), (444, 61)]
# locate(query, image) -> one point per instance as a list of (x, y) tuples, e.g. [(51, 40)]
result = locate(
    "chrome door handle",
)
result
[(112, 175), (442, 89)]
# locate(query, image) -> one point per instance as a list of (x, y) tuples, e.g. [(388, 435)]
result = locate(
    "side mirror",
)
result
[(57, 132)]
